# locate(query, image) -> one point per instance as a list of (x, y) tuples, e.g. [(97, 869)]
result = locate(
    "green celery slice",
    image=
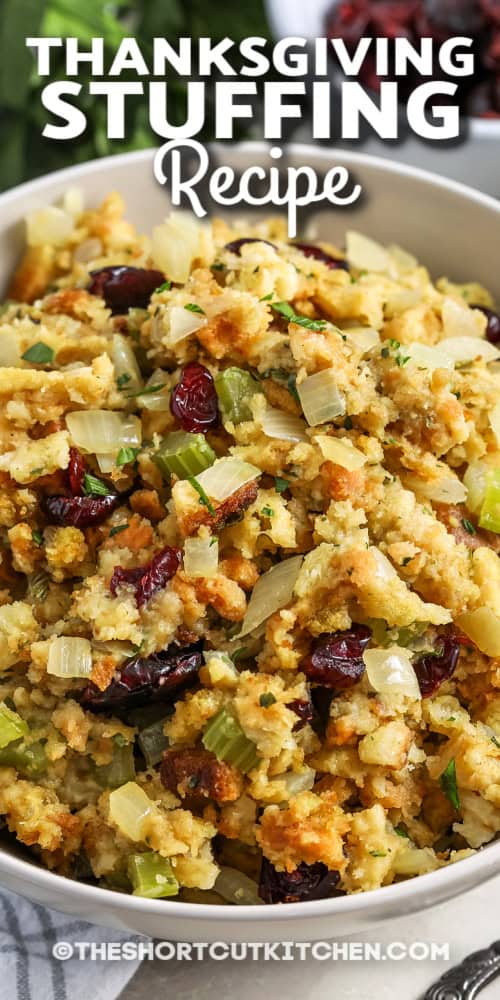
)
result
[(29, 759), (12, 726), (120, 770), (490, 510), (183, 454), (234, 387), (226, 739), (153, 742), (152, 876)]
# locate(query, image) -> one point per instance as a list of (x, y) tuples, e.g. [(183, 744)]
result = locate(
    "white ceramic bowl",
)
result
[(455, 231), (474, 161)]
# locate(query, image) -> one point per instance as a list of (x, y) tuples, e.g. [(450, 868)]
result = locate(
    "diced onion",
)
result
[(460, 321), (226, 476), (295, 783), (448, 489), (428, 357), (175, 245), (495, 421), (404, 261), (158, 401), (183, 322), (320, 398), (384, 570), (49, 225), (366, 254), (272, 592), (236, 887), (284, 426), (129, 807), (106, 463), (103, 431), (475, 483), (73, 201), (483, 627), (363, 338), (201, 556), (69, 656), (340, 451), (390, 672), (88, 250), (10, 355), (125, 362), (464, 349), (414, 861)]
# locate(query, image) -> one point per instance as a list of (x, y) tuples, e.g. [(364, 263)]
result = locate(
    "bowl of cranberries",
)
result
[(471, 159)]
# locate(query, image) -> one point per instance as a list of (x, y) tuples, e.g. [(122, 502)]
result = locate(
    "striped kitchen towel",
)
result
[(29, 971)]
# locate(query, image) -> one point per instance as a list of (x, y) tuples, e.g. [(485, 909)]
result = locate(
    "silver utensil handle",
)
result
[(465, 981)]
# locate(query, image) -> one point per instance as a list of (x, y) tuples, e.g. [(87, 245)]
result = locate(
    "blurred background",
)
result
[(475, 159)]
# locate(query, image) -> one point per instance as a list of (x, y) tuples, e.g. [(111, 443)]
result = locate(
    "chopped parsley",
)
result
[(202, 495), (401, 832), (94, 487), (267, 511), (117, 529), (266, 298), (285, 309), (378, 854), (165, 287), (39, 354), (123, 380), (448, 782), (280, 484), (348, 424), (192, 307), (385, 352), (218, 267), (406, 560), (126, 455), (37, 536), (147, 391), (267, 699), (495, 741), (468, 526)]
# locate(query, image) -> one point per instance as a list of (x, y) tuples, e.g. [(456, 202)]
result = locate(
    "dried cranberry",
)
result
[(493, 324), (336, 659), (349, 21), (236, 245), (491, 10), (80, 512), (194, 399), (306, 882), (393, 18), (303, 709), (146, 580), (432, 669), (460, 17), (309, 250), (76, 472), (145, 680), (123, 288)]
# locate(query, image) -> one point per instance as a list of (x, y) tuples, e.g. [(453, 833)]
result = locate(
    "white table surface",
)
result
[(468, 923)]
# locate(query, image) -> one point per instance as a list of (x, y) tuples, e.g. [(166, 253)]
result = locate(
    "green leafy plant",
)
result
[(25, 152)]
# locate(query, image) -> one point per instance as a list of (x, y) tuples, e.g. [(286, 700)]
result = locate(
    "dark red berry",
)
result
[(145, 680), (493, 324), (236, 245), (393, 18), (336, 659), (309, 250), (76, 472), (305, 883), (349, 20), (79, 512), (303, 709), (194, 399), (491, 10), (146, 580), (459, 17), (124, 288), (432, 669)]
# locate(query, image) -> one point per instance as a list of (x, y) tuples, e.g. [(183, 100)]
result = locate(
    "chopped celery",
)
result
[(153, 742), (152, 876), (120, 770), (183, 454), (29, 759), (12, 726), (490, 510), (226, 739), (234, 388)]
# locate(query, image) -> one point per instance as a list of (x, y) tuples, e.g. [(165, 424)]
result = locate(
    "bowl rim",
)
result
[(421, 888)]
